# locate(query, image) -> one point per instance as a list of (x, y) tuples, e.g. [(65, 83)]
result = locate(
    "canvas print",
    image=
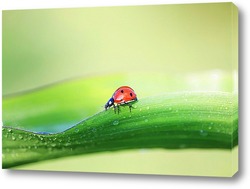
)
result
[(147, 89)]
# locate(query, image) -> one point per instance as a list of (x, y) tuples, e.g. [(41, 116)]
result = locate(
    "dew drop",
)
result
[(76, 130), (67, 144), (203, 133), (29, 138), (116, 122), (20, 137), (53, 144)]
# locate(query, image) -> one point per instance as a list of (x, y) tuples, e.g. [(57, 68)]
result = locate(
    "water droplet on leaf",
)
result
[(20, 137), (53, 144), (203, 133), (116, 122), (76, 130), (67, 144)]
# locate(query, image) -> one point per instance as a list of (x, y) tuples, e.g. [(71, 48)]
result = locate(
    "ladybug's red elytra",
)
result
[(123, 96)]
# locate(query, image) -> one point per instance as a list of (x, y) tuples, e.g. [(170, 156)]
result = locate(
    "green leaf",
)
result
[(172, 120), (57, 107)]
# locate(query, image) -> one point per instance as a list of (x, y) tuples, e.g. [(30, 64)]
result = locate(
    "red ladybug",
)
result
[(123, 96)]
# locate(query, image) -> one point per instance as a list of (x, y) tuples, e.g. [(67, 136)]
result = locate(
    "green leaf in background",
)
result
[(57, 107), (174, 120)]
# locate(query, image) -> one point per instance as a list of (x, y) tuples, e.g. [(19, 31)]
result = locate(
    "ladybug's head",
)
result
[(109, 103)]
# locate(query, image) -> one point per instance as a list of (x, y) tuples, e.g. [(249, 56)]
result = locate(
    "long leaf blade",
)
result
[(173, 121)]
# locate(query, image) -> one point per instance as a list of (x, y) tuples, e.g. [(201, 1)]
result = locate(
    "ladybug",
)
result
[(123, 96)]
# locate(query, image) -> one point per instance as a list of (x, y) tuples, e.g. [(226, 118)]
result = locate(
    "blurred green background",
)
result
[(45, 46), (60, 66)]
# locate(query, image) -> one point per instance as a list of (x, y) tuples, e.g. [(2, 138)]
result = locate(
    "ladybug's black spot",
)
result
[(131, 94), (122, 91)]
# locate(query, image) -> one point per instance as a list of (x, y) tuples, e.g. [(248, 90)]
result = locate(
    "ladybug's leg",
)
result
[(114, 108), (118, 109), (130, 107)]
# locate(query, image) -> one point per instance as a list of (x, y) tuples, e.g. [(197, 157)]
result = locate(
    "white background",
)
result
[(34, 179)]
